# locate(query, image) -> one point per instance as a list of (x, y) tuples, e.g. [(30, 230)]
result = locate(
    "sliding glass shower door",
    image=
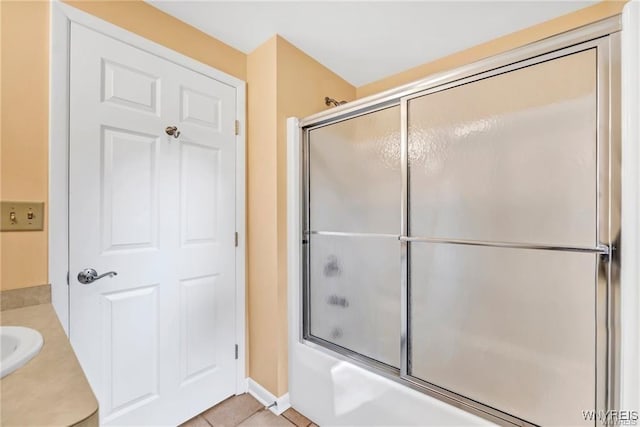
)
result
[(354, 188), (503, 242), (459, 238)]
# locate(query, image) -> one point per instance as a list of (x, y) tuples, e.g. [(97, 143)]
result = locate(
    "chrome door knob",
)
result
[(89, 275)]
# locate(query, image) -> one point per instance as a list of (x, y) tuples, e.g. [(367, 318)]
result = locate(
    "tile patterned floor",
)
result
[(245, 411)]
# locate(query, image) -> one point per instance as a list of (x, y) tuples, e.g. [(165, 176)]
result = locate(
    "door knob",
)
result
[(172, 130), (89, 275)]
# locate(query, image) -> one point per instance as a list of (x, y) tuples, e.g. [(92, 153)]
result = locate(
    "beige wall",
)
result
[(25, 97), (538, 32), (262, 215), (25, 115), (283, 82)]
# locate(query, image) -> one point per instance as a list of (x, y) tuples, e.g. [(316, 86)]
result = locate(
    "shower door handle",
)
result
[(89, 275)]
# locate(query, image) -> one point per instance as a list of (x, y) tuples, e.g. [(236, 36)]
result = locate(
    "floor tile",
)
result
[(265, 418), (196, 422), (296, 417), (232, 411)]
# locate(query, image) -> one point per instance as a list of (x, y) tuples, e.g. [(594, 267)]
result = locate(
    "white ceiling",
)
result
[(363, 41)]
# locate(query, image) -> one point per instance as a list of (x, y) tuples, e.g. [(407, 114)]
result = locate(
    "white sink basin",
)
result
[(18, 346)]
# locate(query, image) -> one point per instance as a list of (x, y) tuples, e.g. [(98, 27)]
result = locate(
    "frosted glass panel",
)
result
[(509, 158), (355, 179), (355, 294), (512, 329)]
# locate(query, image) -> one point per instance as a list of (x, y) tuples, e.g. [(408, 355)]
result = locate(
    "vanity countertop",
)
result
[(51, 389)]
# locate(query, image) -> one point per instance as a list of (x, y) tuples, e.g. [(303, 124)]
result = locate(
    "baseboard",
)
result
[(265, 397)]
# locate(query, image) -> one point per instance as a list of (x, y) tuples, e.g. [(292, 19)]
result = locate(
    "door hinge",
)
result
[(236, 351), (237, 127), (236, 239), (67, 278)]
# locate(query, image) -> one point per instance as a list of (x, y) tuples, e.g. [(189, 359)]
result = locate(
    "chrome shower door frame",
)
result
[(603, 36)]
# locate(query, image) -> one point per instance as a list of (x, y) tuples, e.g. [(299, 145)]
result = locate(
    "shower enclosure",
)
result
[(461, 236)]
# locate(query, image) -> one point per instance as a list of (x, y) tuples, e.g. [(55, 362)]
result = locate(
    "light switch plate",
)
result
[(21, 216)]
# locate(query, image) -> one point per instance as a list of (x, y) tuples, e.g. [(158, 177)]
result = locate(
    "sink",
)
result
[(18, 345)]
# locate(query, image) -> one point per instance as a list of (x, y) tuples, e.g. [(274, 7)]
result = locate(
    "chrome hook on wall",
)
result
[(172, 130)]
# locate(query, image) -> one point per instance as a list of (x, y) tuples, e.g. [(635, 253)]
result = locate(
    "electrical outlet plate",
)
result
[(21, 216)]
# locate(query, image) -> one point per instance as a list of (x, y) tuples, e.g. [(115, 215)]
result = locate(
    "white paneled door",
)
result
[(157, 340)]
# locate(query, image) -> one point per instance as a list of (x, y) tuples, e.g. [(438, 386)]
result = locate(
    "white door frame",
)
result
[(630, 272), (58, 220)]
